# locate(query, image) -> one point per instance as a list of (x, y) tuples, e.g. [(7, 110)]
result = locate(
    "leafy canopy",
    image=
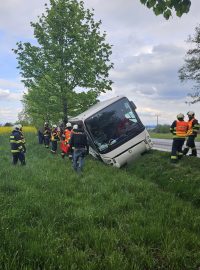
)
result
[(191, 68), (70, 54), (165, 7)]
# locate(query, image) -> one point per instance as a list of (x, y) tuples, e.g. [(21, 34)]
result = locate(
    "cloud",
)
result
[(147, 53), (15, 15), (7, 95)]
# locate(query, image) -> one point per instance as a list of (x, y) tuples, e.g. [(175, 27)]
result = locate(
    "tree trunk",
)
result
[(65, 109)]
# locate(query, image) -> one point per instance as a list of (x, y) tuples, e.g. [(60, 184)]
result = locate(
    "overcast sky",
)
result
[(147, 53)]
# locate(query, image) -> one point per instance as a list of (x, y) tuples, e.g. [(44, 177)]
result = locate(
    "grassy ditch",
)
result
[(107, 219)]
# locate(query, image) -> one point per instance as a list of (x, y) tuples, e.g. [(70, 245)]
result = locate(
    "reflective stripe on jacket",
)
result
[(55, 135), (16, 142)]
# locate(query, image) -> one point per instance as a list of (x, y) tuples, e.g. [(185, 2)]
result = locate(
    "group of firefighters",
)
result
[(73, 143), (181, 130)]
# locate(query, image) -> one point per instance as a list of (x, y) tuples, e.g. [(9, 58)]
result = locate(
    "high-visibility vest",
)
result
[(55, 135), (67, 135), (190, 122), (181, 129)]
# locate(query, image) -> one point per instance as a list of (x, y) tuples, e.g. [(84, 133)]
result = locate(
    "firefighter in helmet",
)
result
[(17, 145), (179, 129), (55, 137), (80, 146), (192, 133), (65, 149), (47, 134)]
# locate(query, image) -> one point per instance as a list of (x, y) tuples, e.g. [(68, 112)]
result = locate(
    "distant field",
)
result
[(166, 136), (143, 217), (4, 130)]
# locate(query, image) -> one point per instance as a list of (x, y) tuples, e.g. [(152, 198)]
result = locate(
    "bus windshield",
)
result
[(113, 126)]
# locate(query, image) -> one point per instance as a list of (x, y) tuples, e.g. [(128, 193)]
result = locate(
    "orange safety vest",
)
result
[(190, 130), (67, 135), (181, 129)]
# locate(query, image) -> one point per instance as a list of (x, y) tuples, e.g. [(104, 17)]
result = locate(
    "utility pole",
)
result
[(157, 115)]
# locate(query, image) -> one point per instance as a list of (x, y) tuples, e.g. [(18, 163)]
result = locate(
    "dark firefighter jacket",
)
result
[(55, 135), (47, 132), (16, 142), (79, 140)]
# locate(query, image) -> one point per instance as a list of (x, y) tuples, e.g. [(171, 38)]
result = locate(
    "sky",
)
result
[(147, 53)]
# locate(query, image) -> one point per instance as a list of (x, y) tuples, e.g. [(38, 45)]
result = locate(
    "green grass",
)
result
[(167, 136), (145, 216)]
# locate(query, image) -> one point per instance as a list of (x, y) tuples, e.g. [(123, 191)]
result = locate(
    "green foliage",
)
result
[(8, 124), (143, 217), (191, 69), (71, 55), (162, 129), (166, 7)]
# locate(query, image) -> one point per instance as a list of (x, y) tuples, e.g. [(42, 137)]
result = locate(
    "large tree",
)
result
[(191, 69), (70, 53), (166, 7)]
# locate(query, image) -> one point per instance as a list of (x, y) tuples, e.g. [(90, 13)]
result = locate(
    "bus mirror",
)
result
[(133, 105)]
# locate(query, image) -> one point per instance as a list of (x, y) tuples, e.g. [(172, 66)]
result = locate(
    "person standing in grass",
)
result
[(179, 129), (79, 144), (64, 145), (47, 134), (17, 146), (192, 133), (41, 135), (22, 138), (55, 137)]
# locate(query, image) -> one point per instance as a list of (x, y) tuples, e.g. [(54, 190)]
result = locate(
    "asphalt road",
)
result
[(166, 145)]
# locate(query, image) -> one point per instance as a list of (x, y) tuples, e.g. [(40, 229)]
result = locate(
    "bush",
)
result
[(162, 129)]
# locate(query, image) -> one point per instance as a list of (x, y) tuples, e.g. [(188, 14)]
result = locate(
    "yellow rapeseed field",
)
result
[(4, 130)]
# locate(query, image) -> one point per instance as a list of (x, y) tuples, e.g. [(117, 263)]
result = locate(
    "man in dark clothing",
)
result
[(79, 144), (41, 135), (17, 146), (192, 133), (55, 137), (47, 135)]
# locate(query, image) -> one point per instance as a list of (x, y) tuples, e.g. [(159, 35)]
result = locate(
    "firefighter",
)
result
[(17, 148), (22, 138), (179, 129), (80, 147), (41, 135), (55, 137), (64, 146), (47, 135), (192, 133)]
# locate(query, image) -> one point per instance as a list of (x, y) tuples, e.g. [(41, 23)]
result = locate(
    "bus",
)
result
[(115, 132)]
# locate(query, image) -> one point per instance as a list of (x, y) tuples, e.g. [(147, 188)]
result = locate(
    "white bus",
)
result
[(115, 132)]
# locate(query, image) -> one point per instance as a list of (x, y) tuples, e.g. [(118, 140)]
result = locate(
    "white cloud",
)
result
[(147, 53)]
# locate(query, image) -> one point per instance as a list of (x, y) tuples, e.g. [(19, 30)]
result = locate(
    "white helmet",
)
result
[(54, 126), (180, 116), (68, 124), (190, 113), (75, 127), (20, 126), (15, 127)]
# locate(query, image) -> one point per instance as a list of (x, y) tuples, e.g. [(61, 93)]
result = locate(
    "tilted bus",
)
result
[(115, 132)]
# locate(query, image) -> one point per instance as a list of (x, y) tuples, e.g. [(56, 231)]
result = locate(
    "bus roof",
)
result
[(95, 108)]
